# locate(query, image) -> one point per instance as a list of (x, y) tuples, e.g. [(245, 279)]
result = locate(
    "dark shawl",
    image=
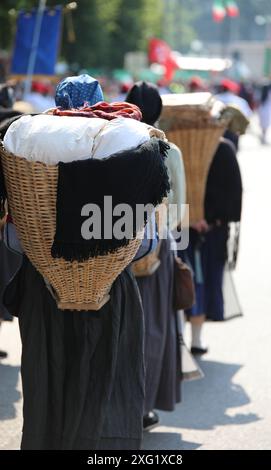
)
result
[(135, 176)]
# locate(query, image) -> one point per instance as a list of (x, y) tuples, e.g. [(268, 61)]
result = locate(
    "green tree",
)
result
[(105, 30), (151, 21), (178, 22), (88, 48), (127, 33), (8, 18)]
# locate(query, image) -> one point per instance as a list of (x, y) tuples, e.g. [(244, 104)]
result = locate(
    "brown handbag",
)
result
[(183, 289)]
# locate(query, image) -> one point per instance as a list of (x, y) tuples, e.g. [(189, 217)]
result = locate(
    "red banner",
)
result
[(160, 52)]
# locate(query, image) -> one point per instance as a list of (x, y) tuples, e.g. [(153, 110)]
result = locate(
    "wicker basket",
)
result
[(198, 147), (32, 189), (187, 122)]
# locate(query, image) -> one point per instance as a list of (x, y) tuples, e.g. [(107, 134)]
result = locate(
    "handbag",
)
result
[(190, 369), (183, 288)]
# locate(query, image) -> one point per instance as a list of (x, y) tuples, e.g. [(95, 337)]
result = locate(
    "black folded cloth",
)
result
[(134, 176)]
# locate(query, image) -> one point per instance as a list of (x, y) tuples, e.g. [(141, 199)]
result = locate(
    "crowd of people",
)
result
[(99, 378)]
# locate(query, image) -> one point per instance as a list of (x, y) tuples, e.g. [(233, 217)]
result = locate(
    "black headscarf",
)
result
[(146, 96)]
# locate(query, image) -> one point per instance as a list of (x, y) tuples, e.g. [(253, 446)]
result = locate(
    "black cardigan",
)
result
[(223, 196)]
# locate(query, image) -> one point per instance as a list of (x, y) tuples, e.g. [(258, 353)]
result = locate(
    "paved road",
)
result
[(230, 407), (10, 388)]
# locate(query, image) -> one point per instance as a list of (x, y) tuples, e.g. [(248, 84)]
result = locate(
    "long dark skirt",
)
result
[(162, 357), (82, 372)]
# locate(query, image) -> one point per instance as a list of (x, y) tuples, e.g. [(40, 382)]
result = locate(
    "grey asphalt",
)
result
[(231, 407)]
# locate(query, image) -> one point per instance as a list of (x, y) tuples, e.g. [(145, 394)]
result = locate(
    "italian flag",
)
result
[(219, 11), (232, 8)]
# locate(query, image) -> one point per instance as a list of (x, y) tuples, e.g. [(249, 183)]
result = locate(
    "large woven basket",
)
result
[(32, 189), (198, 147), (197, 135)]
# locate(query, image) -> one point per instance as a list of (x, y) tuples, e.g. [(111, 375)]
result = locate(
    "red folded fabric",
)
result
[(103, 110)]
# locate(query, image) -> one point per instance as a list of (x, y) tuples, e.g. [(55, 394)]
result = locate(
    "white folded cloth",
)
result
[(119, 134), (52, 139)]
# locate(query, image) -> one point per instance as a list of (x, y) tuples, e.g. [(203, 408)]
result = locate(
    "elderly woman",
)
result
[(82, 371), (162, 359), (207, 252)]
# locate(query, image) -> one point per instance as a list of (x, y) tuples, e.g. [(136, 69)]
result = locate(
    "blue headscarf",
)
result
[(73, 92)]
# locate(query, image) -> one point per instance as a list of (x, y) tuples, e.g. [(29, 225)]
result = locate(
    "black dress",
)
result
[(162, 354), (82, 372)]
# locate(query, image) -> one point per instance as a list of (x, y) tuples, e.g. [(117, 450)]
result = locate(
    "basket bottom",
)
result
[(83, 306)]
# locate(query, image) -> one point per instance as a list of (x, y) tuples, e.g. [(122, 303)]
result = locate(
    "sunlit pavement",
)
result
[(10, 387), (230, 407)]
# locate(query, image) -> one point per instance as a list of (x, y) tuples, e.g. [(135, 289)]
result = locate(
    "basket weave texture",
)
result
[(32, 191)]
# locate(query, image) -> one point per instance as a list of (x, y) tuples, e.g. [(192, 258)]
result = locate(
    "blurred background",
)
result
[(112, 40)]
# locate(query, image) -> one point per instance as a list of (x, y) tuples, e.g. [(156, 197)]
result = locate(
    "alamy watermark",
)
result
[(122, 221)]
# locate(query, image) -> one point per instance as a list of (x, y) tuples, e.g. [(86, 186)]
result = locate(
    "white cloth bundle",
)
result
[(119, 134), (51, 139)]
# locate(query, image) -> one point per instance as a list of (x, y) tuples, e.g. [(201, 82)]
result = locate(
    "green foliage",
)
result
[(105, 29), (179, 15)]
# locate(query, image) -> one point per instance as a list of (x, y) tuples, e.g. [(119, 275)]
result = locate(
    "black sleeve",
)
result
[(223, 197)]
